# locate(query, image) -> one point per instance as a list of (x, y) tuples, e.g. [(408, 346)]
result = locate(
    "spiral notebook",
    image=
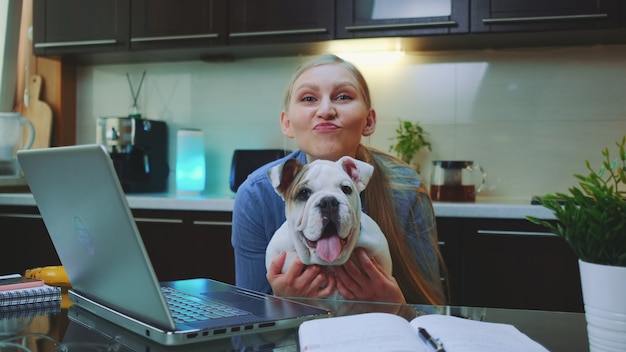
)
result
[(16, 311), (30, 295)]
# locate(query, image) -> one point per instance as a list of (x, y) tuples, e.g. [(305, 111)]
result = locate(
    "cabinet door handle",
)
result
[(375, 27), (162, 221), (277, 33), (76, 43), (18, 215), (510, 20), (517, 233), (174, 37), (212, 223)]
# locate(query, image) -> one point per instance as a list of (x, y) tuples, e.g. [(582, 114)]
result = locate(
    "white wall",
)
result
[(530, 117)]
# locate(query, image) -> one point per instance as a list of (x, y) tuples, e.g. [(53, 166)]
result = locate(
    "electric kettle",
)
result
[(11, 131), (456, 181)]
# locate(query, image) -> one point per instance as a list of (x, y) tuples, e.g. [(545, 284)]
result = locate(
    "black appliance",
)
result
[(245, 161), (138, 148)]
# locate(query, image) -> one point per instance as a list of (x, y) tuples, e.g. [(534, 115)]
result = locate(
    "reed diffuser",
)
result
[(134, 111)]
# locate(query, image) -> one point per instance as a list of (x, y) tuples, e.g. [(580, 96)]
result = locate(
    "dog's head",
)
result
[(323, 207)]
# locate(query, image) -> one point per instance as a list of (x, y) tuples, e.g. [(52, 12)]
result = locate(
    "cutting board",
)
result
[(38, 112)]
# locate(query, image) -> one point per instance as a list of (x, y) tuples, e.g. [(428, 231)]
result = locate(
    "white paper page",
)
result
[(359, 333), (464, 335)]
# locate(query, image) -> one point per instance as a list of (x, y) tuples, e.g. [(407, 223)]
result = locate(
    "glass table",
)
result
[(61, 331)]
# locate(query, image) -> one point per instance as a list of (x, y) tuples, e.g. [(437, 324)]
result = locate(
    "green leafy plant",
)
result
[(410, 138), (592, 216)]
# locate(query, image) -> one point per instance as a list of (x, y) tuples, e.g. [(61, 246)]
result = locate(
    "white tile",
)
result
[(531, 117)]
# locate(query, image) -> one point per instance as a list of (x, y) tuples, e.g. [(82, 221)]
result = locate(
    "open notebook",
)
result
[(92, 228), (387, 332)]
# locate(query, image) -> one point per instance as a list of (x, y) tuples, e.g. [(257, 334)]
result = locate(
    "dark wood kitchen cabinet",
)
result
[(25, 240), (280, 21), (188, 244), (517, 264), (83, 27), (511, 263), (171, 24), (78, 26), (180, 244), (451, 247), (120, 31), (369, 18), (167, 242), (540, 15), (212, 252)]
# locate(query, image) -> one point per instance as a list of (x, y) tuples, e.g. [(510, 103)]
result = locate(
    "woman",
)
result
[(327, 109)]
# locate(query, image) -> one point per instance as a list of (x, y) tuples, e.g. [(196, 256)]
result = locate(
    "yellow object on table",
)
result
[(54, 275), (51, 275)]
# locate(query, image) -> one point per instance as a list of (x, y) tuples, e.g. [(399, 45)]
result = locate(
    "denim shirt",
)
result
[(259, 211)]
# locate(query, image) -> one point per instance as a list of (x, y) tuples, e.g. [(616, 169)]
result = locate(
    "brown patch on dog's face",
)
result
[(289, 171), (298, 191)]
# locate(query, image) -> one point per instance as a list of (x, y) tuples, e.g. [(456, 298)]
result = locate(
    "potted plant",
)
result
[(410, 139), (591, 217)]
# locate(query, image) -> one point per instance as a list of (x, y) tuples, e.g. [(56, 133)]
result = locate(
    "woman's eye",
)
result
[(307, 99), (346, 190), (344, 97)]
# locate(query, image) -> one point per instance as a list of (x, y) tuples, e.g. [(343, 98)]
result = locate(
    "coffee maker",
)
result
[(138, 148)]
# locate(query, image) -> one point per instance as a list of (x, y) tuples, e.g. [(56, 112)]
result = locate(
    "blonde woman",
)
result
[(327, 110)]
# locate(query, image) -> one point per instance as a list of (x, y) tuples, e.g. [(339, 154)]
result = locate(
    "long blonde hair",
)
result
[(418, 285)]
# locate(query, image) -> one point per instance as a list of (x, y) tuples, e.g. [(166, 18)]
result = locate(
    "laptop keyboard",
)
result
[(186, 308)]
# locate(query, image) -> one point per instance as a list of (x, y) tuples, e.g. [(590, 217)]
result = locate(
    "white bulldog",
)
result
[(324, 217)]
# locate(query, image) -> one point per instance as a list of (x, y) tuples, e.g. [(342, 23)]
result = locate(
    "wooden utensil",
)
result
[(39, 113)]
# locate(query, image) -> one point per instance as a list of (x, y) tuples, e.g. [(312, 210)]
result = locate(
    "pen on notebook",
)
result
[(435, 343)]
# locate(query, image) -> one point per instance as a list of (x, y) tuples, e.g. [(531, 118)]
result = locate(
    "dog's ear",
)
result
[(359, 171), (283, 174)]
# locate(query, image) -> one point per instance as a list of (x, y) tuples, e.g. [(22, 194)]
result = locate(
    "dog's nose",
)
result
[(328, 204)]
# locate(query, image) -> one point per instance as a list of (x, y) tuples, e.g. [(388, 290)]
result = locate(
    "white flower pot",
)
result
[(604, 296)]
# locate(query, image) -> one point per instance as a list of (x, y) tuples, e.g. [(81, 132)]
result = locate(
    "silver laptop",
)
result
[(93, 231), (86, 329)]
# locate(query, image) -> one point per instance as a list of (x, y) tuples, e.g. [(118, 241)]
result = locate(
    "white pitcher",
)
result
[(11, 130)]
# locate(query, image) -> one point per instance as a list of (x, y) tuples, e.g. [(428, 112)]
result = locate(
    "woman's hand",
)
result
[(300, 280), (362, 278)]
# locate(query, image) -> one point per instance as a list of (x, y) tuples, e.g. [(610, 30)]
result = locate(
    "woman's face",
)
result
[(327, 114)]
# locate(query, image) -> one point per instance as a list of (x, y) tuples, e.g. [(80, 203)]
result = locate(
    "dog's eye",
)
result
[(303, 194), (346, 190)]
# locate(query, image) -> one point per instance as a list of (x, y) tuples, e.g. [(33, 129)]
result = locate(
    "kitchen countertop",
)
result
[(501, 208)]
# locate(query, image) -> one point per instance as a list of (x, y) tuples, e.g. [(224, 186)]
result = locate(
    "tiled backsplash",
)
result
[(530, 117)]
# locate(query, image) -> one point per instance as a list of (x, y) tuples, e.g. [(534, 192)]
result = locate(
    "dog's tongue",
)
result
[(329, 248)]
